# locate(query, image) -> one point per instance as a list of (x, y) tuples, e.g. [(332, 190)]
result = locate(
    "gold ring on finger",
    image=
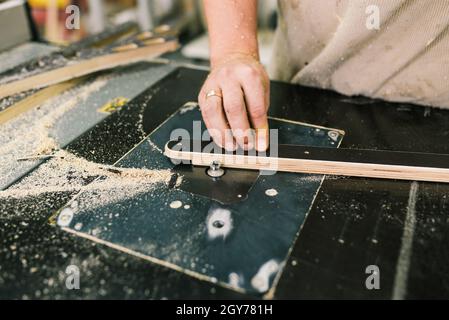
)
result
[(213, 93)]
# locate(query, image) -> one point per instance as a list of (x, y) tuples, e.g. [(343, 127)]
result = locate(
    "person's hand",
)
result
[(234, 100)]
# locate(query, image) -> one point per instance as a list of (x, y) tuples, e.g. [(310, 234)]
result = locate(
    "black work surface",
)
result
[(354, 222)]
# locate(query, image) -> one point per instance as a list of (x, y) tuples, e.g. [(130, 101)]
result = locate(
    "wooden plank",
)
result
[(36, 99), (329, 161), (83, 68)]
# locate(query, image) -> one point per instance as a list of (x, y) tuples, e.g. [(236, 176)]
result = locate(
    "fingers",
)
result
[(236, 114), (215, 119), (257, 101), (243, 105)]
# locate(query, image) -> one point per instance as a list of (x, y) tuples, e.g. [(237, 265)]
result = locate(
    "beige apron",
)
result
[(334, 44)]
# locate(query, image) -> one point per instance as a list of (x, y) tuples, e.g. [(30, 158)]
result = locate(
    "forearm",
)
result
[(232, 28), (234, 98)]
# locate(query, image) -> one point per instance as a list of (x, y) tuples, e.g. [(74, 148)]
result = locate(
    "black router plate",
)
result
[(242, 243)]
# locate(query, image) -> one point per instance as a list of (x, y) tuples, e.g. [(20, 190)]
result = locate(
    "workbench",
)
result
[(399, 226)]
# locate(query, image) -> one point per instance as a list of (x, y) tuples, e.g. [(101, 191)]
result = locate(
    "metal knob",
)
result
[(215, 170)]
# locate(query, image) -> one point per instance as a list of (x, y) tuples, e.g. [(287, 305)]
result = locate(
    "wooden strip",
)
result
[(116, 36), (83, 68), (36, 99), (331, 161)]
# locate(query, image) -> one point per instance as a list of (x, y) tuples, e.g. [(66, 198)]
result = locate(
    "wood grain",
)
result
[(313, 166), (36, 99)]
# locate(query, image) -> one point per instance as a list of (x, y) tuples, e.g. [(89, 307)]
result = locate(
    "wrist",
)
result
[(224, 58)]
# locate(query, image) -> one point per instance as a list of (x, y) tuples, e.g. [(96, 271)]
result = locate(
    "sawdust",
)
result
[(31, 133), (47, 143), (9, 101), (154, 146), (188, 106), (102, 184), (44, 64)]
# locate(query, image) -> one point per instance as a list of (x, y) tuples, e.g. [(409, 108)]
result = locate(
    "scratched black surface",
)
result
[(244, 253), (354, 222)]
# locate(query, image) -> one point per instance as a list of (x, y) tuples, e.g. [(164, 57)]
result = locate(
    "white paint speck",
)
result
[(187, 207), (261, 281), (189, 106), (176, 204), (78, 226), (65, 217), (219, 223), (234, 279), (271, 192)]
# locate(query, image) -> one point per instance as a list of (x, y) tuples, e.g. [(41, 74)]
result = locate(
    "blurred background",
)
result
[(185, 16)]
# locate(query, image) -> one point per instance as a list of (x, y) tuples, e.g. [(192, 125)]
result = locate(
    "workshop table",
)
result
[(402, 227)]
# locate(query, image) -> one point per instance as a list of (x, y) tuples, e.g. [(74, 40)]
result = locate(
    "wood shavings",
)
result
[(31, 133), (47, 143), (102, 184)]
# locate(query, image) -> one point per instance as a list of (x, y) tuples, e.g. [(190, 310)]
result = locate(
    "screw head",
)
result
[(333, 135), (215, 170)]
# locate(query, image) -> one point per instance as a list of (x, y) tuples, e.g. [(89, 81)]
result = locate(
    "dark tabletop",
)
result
[(354, 222)]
